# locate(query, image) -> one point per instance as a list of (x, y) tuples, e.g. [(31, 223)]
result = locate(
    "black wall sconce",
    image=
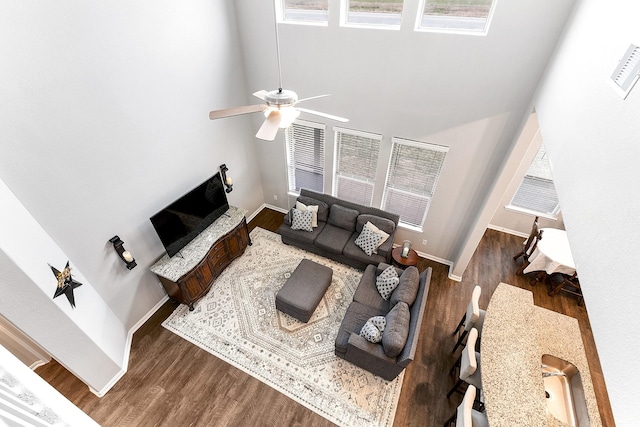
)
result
[(226, 179), (122, 253)]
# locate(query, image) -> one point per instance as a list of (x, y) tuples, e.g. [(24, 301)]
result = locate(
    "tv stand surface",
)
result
[(188, 277)]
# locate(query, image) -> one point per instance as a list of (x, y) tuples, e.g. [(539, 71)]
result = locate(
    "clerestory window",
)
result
[(378, 13), (456, 15), (304, 11)]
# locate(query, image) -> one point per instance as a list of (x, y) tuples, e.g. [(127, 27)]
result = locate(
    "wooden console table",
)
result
[(188, 275)]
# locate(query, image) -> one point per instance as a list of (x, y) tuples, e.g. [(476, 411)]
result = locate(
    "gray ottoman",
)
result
[(303, 291)]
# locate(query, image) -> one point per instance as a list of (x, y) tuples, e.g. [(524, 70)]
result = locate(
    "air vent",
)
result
[(627, 72)]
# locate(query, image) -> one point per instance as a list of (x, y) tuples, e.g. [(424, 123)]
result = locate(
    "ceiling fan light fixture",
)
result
[(288, 116), (281, 98)]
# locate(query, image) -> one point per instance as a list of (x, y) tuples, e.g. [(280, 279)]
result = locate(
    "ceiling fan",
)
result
[(279, 106)]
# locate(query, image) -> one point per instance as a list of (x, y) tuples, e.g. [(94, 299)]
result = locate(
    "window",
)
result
[(411, 179), (305, 156), (456, 15), (356, 163), (537, 192), (309, 11), (373, 12)]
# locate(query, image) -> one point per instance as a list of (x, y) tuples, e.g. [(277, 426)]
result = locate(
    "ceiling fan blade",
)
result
[(313, 97), (236, 111), (328, 116), (260, 94), (270, 126)]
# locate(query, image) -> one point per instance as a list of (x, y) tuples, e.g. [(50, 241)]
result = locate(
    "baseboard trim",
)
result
[(268, 206), (125, 362), (508, 231)]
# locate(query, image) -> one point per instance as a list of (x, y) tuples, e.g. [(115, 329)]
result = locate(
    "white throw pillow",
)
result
[(312, 208), (387, 281), (367, 240), (301, 220), (384, 236)]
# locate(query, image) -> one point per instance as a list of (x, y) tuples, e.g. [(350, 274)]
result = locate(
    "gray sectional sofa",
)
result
[(339, 224), (398, 348)]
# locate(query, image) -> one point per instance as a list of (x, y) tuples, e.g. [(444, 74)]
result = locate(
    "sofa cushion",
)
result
[(367, 293), (368, 239), (383, 224), (387, 281), (343, 217), (396, 331), (353, 252), (312, 208), (323, 208), (333, 239), (407, 288), (354, 319), (302, 237), (302, 220)]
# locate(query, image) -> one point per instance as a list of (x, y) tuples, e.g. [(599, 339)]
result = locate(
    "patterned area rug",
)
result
[(238, 322)]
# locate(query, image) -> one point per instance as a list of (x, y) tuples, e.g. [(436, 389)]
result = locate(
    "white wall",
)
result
[(592, 137), (470, 93), (89, 339), (104, 120)]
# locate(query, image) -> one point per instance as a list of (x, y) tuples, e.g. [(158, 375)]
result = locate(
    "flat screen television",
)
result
[(181, 221)]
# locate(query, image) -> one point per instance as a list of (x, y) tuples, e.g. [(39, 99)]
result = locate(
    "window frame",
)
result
[(418, 144), (291, 163), (281, 9), (336, 172), (466, 31), (344, 19)]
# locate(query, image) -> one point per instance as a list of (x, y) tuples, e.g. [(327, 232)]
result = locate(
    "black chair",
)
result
[(529, 245), (567, 284)]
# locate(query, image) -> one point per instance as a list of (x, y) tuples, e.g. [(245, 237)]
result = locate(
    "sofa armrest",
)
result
[(386, 248), (371, 357)]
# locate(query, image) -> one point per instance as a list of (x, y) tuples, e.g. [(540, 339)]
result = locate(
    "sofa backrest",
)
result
[(330, 200), (417, 313)]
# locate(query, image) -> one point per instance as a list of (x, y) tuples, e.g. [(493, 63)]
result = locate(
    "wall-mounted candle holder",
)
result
[(122, 253), (228, 182)]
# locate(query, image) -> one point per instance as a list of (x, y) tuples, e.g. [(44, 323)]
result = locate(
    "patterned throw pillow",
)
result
[(380, 322), (312, 208), (383, 236), (301, 220), (373, 329), (367, 240), (370, 333), (387, 281)]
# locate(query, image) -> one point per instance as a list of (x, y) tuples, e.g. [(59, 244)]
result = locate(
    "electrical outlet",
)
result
[(424, 242), (275, 197)]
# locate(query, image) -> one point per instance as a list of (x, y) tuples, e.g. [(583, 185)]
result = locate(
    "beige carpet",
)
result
[(238, 322)]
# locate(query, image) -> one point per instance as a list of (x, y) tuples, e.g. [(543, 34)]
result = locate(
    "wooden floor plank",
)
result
[(172, 382)]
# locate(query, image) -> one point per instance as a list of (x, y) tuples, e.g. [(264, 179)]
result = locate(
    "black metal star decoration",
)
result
[(66, 284)]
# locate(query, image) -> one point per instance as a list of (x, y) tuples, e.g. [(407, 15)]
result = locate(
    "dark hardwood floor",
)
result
[(171, 382)]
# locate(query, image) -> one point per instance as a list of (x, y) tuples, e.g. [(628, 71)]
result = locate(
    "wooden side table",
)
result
[(399, 261)]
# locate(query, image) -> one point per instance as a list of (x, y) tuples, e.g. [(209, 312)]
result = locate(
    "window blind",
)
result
[(305, 156), (537, 192), (356, 163), (411, 179)]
